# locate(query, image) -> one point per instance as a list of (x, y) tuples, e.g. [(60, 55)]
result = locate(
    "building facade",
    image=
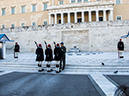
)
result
[(17, 13)]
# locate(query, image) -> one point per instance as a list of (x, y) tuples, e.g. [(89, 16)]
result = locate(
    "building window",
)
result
[(85, 0), (45, 6), (61, 2), (23, 9), (72, 1), (22, 24), (33, 24), (118, 18), (45, 23), (79, 1), (3, 11), (33, 8), (3, 26), (118, 2), (13, 10), (12, 26), (98, 0)]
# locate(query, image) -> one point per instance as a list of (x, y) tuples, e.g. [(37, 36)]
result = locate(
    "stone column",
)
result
[(52, 2), (82, 16), (75, 1), (75, 17), (49, 18), (55, 18), (68, 17), (97, 15), (90, 19), (104, 15), (52, 20), (111, 15), (62, 18)]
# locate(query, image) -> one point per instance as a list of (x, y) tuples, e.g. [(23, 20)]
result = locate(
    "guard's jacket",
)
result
[(48, 53), (17, 47), (120, 46), (39, 52), (57, 53)]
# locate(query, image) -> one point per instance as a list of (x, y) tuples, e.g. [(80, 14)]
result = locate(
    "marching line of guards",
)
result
[(59, 57)]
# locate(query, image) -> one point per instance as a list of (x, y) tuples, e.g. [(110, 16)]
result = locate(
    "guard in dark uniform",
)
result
[(49, 57), (40, 57), (57, 58), (63, 50), (16, 50), (120, 47)]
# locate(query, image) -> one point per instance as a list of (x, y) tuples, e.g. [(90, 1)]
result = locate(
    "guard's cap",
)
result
[(57, 44), (39, 44), (49, 45), (61, 43)]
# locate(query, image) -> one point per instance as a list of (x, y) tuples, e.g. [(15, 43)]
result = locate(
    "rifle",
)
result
[(54, 44), (45, 43), (36, 44)]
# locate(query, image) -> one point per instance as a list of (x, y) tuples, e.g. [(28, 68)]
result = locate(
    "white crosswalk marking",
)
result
[(5, 72), (107, 87)]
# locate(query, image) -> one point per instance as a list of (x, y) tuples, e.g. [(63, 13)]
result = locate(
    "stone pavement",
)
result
[(76, 63)]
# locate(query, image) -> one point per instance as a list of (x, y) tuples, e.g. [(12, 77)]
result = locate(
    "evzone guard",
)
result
[(49, 57), (57, 58), (16, 50), (40, 57)]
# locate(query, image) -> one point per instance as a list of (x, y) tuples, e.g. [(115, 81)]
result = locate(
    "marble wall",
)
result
[(87, 36)]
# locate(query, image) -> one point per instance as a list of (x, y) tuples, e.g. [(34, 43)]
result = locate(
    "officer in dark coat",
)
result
[(63, 50), (49, 57), (57, 58), (120, 47), (16, 50), (40, 57)]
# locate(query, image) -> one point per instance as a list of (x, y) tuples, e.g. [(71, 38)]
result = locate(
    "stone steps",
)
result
[(69, 67)]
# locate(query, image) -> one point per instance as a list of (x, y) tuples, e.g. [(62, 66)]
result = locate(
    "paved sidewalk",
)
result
[(82, 58)]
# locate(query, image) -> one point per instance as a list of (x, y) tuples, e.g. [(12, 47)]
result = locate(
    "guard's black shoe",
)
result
[(51, 69), (48, 71), (57, 71), (42, 69), (39, 70)]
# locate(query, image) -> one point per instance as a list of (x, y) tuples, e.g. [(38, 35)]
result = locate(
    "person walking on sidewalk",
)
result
[(57, 53), (40, 57), (49, 57), (63, 50), (16, 50), (120, 47)]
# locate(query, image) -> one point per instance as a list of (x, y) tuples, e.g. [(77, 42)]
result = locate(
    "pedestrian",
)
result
[(49, 57), (120, 48), (57, 58), (16, 50), (40, 57), (63, 50)]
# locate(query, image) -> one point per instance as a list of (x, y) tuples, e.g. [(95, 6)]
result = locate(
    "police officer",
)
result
[(120, 47), (57, 53), (49, 57), (63, 50), (16, 50), (40, 57)]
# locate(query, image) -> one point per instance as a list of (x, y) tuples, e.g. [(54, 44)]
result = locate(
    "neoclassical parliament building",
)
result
[(19, 13)]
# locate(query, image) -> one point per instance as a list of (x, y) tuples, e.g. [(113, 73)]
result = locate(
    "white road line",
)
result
[(107, 87), (5, 72)]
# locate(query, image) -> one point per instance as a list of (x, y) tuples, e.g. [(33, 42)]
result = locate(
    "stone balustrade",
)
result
[(66, 26)]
